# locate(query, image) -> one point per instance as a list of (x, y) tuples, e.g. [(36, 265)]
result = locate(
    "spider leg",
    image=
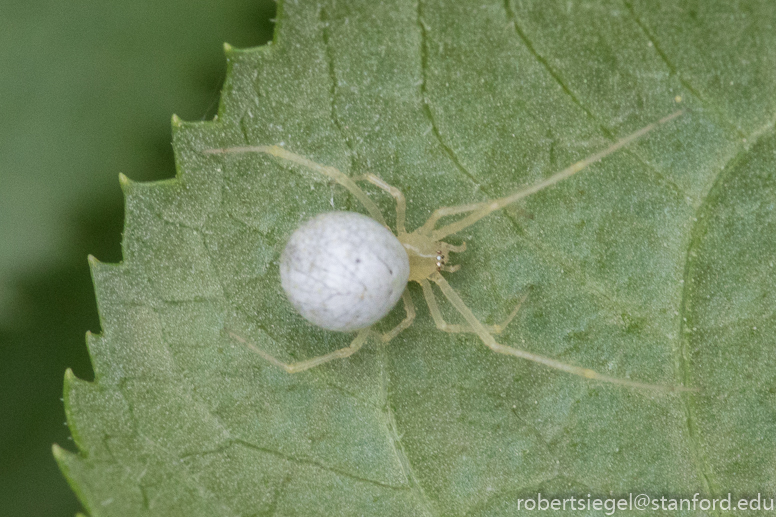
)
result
[(428, 226), (456, 249), (301, 366), (331, 172), (442, 325), (401, 203), (481, 210), (491, 343), (409, 308)]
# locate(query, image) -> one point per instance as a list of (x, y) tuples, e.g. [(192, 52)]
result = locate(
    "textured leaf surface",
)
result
[(87, 91), (655, 265)]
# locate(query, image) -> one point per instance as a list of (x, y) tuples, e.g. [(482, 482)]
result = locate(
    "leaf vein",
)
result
[(312, 463), (695, 92), (424, 98), (394, 437), (682, 348)]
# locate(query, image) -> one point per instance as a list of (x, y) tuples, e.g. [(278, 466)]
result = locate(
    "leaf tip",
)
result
[(176, 121), (228, 49), (92, 260)]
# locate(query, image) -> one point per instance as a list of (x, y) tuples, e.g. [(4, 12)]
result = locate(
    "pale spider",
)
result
[(427, 254)]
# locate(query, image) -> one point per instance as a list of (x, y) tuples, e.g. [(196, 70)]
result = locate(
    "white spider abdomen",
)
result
[(343, 271)]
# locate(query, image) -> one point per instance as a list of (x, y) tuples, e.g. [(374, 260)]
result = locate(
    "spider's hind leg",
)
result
[(409, 309), (332, 172), (301, 366), (401, 203)]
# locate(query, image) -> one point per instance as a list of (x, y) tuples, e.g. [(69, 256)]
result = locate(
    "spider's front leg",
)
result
[(442, 325), (479, 210), (491, 343)]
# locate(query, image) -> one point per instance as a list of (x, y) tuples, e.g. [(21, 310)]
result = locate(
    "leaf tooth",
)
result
[(70, 381), (62, 455), (124, 182), (231, 51)]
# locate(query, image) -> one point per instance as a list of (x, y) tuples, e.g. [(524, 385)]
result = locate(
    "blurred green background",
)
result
[(87, 89)]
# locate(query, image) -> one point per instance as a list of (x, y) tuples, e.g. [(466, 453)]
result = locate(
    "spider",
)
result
[(427, 255)]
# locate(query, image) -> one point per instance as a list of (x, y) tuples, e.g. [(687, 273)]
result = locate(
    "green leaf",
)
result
[(654, 265)]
